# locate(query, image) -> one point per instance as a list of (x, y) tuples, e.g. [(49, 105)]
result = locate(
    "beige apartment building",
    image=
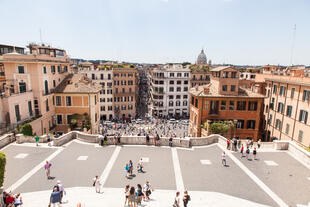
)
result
[(125, 91), (77, 104), (27, 84), (286, 109)]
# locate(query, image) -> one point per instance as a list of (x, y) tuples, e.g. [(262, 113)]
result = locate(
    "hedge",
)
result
[(2, 167)]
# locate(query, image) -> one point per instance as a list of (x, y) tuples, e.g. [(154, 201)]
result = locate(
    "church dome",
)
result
[(202, 58)]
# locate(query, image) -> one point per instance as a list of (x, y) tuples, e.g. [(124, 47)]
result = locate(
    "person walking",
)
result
[(147, 137), (241, 151), (254, 153), (186, 198), (61, 190), (55, 198), (259, 143), (177, 200), (97, 184), (127, 195), (47, 168), (18, 200), (170, 141), (140, 166), (139, 194), (48, 136), (37, 138), (127, 170), (147, 188), (157, 141), (101, 138), (228, 142), (223, 159), (132, 197), (235, 144), (130, 167), (247, 153), (105, 140)]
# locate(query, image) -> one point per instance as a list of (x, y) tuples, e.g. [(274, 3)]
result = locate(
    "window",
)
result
[(240, 124), (289, 110), (46, 105), (232, 88), (287, 129), (171, 74), (300, 135), (109, 108), (280, 107), (21, 69), (274, 89), (58, 100), (171, 89), (68, 101), (184, 103), (224, 88), (130, 82), (186, 74), (223, 105), (184, 96), (177, 103), (58, 68), (252, 106), (95, 99), (130, 107), (272, 104), (185, 82), (241, 105), (178, 89), (44, 69), (305, 96), (123, 107), (179, 74), (171, 97), (116, 75), (109, 76), (231, 105), (282, 91), (270, 119), (170, 103), (68, 119), (214, 107), (53, 68), (185, 88), (30, 108), (251, 124), (59, 119), (179, 82), (171, 82), (303, 116), (292, 92), (178, 96), (17, 113), (54, 83), (278, 124), (22, 87)]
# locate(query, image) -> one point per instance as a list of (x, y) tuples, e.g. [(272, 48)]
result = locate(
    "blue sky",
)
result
[(159, 31)]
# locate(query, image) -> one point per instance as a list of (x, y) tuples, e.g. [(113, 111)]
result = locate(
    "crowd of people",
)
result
[(134, 196), (12, 200), (163, 127)]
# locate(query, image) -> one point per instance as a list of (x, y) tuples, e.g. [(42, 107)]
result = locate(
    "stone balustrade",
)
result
[(6, 139)]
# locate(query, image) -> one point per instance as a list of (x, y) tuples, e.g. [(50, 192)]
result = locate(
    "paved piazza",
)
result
[(275, 179)]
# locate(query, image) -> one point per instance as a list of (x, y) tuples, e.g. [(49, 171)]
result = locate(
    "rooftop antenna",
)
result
[(293, 44)]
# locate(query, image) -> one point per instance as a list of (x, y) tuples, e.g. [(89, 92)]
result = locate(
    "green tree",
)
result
[(26, 129), (221, 127)]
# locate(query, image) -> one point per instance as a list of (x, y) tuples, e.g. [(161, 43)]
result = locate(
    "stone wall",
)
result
[(20, 138), (299, 153), (59, 141), (6, 139), (200, 141)]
